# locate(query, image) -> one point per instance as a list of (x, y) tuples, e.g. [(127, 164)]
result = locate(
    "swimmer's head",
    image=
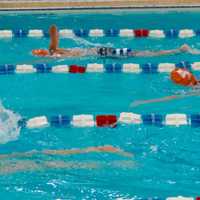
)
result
[(40, 52), (183, 77)]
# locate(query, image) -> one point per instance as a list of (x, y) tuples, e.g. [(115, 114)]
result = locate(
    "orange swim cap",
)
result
[(40, 52), (183, 77)]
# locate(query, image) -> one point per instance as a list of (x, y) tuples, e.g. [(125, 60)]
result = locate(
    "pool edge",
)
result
[(97, 5)]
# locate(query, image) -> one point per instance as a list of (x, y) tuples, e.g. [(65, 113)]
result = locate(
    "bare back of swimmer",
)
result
[(55, 51)]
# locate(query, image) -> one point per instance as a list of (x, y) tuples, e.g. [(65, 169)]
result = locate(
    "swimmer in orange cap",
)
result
[(55, 51), (183, 77), (180, 76)]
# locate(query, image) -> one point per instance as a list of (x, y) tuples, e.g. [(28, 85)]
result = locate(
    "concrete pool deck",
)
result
[(89, 4)]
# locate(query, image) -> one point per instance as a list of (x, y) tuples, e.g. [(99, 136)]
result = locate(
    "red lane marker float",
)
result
[(141, 33), (76, 69), (106, 120)]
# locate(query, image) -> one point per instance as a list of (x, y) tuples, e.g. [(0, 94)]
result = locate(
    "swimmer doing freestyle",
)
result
[(56, 52), (179, 76)]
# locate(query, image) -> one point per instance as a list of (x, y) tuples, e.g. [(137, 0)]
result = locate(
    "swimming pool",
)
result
[(166, 158)]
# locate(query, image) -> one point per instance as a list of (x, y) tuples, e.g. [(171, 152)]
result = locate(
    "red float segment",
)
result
[(197, 198), (106, 120), (76, 69), (141, 33)]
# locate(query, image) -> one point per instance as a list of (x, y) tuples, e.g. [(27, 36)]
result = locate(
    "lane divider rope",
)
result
[(111, 120), (136, 33), (98, 68)]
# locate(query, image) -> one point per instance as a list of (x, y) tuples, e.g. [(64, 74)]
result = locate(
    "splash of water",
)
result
[(87, 43), (9, 129)]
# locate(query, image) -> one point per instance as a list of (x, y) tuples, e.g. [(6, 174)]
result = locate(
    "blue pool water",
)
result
[(166, 159)]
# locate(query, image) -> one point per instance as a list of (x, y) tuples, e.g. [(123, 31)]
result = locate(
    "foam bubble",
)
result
[(84, 42), (9, 129)]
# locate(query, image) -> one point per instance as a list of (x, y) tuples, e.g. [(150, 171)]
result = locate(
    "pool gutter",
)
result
[(28, 5)]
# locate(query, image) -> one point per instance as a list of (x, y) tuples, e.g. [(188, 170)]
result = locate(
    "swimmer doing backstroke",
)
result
[(56, 52)]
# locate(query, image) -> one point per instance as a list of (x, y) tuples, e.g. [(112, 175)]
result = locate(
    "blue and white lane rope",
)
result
[(107, 120), (98, 68), (133, 33)]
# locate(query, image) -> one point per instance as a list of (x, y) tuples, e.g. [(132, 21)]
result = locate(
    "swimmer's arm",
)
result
[(194, 51), (54, 38), (142, 102), (156, 53), (167, 98), (187, 48)]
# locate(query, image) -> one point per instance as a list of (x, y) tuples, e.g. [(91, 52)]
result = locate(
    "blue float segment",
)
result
[(172, 33), (112, 32), (195, 120), (81, 32), (113, 68), (22, 123), (197, 32), (184, 64), (149, 68), (129, 51), (60, 120), (152, 119), (46, 33), (20, 33), (7, 69), (42, 68)]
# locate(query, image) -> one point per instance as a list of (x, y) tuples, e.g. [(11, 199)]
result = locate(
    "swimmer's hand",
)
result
[(185, 48), (194, 51), (137, 103)]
